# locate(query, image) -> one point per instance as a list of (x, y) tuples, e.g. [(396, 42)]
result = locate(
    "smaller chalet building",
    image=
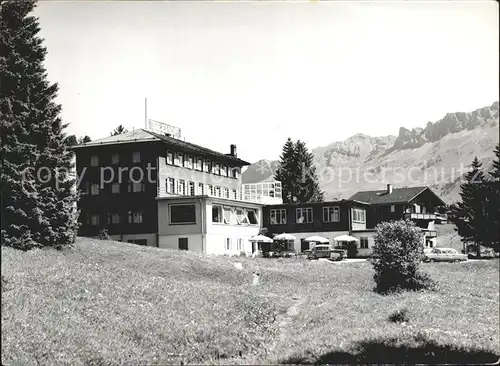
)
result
[(358, 216), (419, 204)]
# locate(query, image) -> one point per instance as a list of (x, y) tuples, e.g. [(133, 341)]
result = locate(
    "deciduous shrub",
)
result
[(103, 234), (397, 254)]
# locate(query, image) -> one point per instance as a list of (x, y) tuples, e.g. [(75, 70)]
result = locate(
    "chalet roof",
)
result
[(398, 195), (142, 135)]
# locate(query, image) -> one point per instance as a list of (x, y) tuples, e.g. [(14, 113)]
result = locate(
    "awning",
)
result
[(345, 238), (317, 239), (284, 236), (261, 239)]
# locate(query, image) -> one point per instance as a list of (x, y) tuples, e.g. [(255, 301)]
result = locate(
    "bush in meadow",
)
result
[(397, 254), (103, 234)]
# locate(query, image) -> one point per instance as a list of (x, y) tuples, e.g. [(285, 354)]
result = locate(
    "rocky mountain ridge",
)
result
[(437, 155)]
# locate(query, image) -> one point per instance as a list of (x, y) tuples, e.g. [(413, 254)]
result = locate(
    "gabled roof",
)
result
[(398, 195), (142, 135)]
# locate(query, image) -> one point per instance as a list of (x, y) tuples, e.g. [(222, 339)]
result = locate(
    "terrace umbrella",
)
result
[(345, 238), (317, 239), (286, 238), (348, 239), (259, 239)]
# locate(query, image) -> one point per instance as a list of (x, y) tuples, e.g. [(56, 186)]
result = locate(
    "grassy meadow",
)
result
[(110, 303)]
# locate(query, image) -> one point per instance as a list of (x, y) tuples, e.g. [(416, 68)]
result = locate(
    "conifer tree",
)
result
[(286, 172), (307, 180), (38, 195), (118, 130), (84, 140), (493, 207), (469, 215)]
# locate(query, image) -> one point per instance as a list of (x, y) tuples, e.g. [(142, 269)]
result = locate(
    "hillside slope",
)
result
[(437, 155), (110, 303)]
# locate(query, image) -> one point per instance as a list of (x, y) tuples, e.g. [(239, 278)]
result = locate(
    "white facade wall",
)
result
[(218, 233), (371, 242), (205, 236), (172, 242)]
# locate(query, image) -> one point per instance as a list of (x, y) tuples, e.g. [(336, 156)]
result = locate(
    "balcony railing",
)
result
[(257, 198), (420, 216)]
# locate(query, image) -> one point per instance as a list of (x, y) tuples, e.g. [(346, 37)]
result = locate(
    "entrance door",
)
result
[(304, 245), (183, 243)]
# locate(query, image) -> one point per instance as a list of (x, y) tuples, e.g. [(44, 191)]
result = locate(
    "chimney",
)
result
[(233, 150), (389, 188)]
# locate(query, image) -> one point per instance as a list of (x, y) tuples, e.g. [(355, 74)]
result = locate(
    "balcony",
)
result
[(263, 193), (420, 216), (267, 192)]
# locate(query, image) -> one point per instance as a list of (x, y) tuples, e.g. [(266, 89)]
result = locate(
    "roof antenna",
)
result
[(146, 113)]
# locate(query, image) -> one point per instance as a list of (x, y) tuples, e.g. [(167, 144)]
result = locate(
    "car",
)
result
[(319, 251), (444, 255), (338, 254)]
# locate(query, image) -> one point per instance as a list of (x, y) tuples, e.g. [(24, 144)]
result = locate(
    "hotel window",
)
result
[(207, 166), (115, 159), (115, 188), (181, 187), (358, 215), (240, 244), (223, 170), (228, 216), (228, 243), (201, 190), (277, 217), (113, 218), (234, 194), (210, 190), (331, 214), (170, 184), (217, 191), (182, 159), (182, 214), (304, 215), (241, 217), (189, 162), (363, 243), (217, 214), (191, 189), (177, 159), (216, 169), (252, 217), (136, 187), (136, 157), (226, 192), (170, 158), (94, 189), (234, 173), (94, 220), (134, 217), (94, 160), (393, 208), (197, 164)]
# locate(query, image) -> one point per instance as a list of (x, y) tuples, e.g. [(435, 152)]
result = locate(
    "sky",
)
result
[(255, 73)]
